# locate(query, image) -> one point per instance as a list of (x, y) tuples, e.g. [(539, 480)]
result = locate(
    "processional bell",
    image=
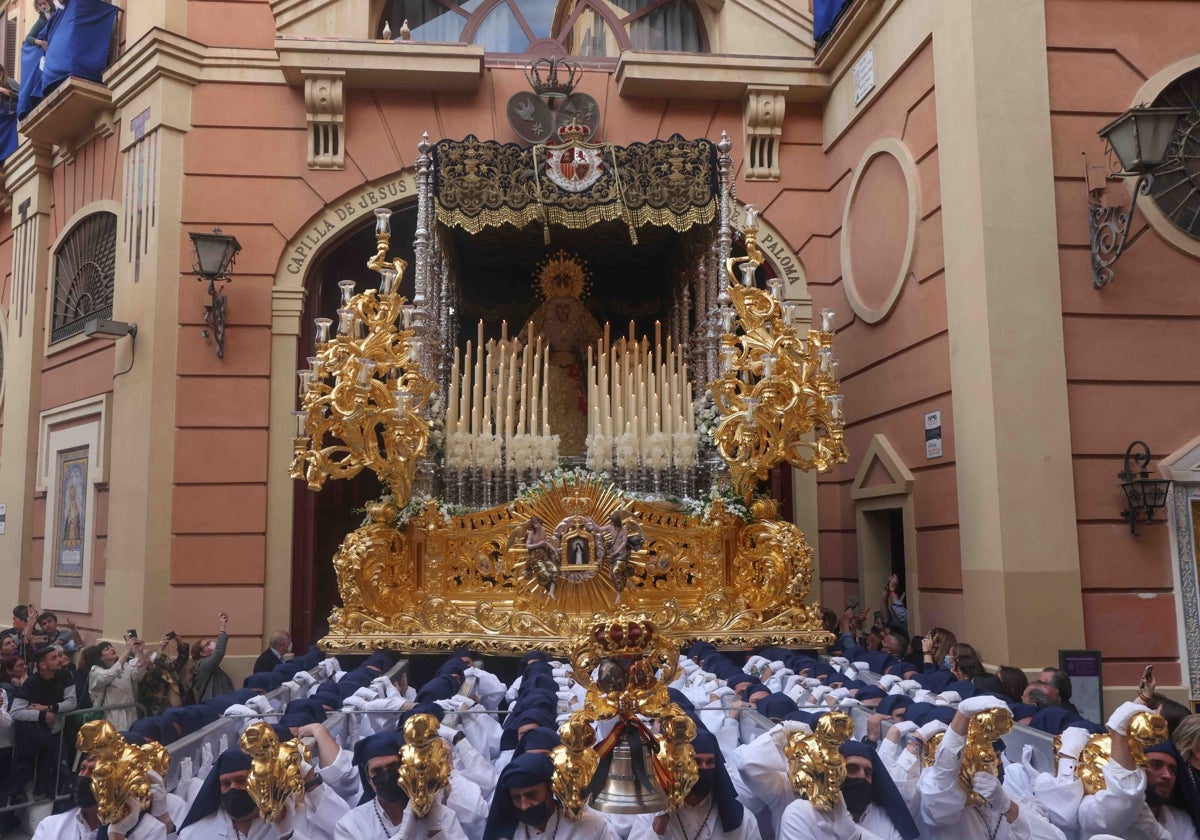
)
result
[(627, 787)]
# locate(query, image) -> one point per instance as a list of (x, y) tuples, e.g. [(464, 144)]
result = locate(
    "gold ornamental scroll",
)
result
[(444, 581)]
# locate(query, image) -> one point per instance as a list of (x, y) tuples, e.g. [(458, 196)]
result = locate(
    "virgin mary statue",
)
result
[(568, 328)]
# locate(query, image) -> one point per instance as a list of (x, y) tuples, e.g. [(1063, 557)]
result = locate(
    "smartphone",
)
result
[(1147, 675), (878, 618), (131, 634), (853, 604), (171, 634)]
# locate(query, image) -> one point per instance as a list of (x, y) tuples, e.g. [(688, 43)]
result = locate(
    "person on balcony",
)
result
[(45, 11)]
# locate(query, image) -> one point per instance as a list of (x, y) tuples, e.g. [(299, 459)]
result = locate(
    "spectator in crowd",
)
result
[(162, 685), (943, 643), (38, 712), (67, 637), (20, 621), (6, 757), (208, 679), (1060, 687), (893, 609), (1013, 681), (45, 10), (13, 672), (279, 647), (8, 645), (111, 678)]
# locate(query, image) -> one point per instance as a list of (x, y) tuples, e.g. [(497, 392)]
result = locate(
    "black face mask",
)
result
[(706, 780), (858, 794), (82, 792), (537, 815), (387, 786), (237, 803)]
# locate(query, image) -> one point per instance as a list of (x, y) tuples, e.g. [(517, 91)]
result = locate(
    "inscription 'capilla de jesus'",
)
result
[(349, 211)]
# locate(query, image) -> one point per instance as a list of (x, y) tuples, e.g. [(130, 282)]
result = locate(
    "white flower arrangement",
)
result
[(546, 456), (685, 449), (488, 450), (658, 451), (522, 452), (599, 451), (458, 451), (415, 505), (627, 451), (701, 508)]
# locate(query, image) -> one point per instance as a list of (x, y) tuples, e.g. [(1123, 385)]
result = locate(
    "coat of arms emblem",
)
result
[(574, 165)]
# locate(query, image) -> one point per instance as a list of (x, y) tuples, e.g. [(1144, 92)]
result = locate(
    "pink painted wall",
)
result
[(1131, 372)]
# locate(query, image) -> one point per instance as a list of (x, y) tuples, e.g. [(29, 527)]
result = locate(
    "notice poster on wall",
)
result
[(1087, 684)]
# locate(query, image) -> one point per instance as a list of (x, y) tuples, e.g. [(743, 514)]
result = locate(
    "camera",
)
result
[(131, 634)]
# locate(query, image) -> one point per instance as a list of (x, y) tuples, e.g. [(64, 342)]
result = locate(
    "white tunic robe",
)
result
[(70, 825), (315, 819), (589, 826), (701, 821), (368, 822)]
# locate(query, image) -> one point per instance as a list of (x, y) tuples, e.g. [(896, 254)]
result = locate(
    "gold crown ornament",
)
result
[(562, 274)]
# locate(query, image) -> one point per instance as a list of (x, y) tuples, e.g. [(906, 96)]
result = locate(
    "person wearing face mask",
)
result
[(223, 807), (82, 822), (524, 807), (279, 647), (711, 809), (385, 811), (871, 796)]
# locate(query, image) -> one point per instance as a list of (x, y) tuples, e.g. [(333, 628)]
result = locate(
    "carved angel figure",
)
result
[(424, 763), (275, 770), (575, 764), (678, 756), (1089, 769), (543, 558), (979, 755), (815, 764), (122, 771)]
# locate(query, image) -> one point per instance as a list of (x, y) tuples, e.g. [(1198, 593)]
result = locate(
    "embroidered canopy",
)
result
[(481, 183)]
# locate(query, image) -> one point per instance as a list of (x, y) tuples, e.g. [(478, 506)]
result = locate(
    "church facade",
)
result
[(926, 169)]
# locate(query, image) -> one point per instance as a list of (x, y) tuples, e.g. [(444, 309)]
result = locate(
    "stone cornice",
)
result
[(384, 65), (31, 160), (159, 53), (690, 76)]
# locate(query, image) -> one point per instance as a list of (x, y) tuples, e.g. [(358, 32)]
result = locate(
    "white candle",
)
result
[(452, 412)]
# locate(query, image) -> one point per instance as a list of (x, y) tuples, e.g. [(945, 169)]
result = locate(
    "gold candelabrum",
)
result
[(275, 770), (363, 396), (777, 393), (1145, 730), (816, 766), (122, 773), (979, 754), (424, 763), (633, 665)]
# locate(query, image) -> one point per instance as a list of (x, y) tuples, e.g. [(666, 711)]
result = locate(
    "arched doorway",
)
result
[(323, 519)]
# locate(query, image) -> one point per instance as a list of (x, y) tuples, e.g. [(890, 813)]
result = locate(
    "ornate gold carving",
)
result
[(575, 764), (777, 394), (979, 755), (424, 763), (678, 756), (363, 400), (1145, 730), (275, 771), (693, 579), (122, 770), (816, 766)]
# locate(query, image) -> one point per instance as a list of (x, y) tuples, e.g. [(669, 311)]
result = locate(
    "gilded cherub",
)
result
[(1089, 769), (1145, 730), (424, 763), (979, 755), (275, 770), (816, 767), (677, 755), (122, 771), (575, 764)]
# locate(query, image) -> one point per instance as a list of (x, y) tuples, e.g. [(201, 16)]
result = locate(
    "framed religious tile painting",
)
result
[(70, 518)]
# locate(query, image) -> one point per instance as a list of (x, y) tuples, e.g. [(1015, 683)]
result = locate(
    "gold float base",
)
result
[(443, 581)]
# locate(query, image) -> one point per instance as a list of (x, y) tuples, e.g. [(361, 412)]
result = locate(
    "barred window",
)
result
[(84, 270)]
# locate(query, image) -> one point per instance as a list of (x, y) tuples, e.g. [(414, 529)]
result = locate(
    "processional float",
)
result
[(511, 548)]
